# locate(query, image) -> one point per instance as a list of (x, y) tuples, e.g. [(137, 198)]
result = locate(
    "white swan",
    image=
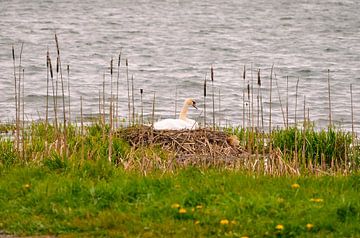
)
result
[(179, 124)]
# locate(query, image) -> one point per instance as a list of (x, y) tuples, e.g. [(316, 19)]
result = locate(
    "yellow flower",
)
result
[(192, 209), (182, 210), (233, 222), (295, 186), (244, 237), (318, 200), (224, 222), (175, 205), (309, 226), (197, 222), (279, 227), (27, 186), (199, 207)]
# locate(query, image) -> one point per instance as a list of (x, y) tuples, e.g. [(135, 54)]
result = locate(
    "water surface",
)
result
[(171, 45)]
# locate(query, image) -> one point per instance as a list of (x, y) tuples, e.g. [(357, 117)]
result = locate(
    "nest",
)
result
[(187, 145)]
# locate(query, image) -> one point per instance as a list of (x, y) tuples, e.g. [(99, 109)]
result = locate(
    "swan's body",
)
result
[(179, 124)]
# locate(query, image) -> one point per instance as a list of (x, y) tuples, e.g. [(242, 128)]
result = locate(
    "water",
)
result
[(171, 45)]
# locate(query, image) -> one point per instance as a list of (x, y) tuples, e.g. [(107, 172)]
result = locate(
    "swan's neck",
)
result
[(183, 112)]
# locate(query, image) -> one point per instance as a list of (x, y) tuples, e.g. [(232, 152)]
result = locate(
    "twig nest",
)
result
[(187, 144)]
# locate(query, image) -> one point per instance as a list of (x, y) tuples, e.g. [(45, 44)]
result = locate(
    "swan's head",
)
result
[(190, 102)]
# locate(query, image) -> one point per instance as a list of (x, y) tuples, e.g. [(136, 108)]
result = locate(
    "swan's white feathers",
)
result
[(179, 124), (176, 124)]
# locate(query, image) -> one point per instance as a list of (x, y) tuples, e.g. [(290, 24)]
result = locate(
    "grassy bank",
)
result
[(97, 199)]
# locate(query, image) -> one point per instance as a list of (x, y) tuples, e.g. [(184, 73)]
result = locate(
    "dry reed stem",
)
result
[(19, 100), (281, 105), (117, 90), (47, 90), (82, 128), (213, 95), (133, 99), (63, 97), (243, 97), (329, 89), (287, 102), (128, 90), (54, 98), (111, 129), (142, 106), (69, 94), (352, 114), (205, 101)]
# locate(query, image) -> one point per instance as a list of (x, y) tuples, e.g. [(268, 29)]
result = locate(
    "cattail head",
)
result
[(13, 53), (119, 59), (259, 80), (126, 63), (212, 74), (47, 59), (141, 91), (51, 70), (248, 91), (57, 64), (205, 87), (57, 44), (244, 74), (68, 68), (111, 66)]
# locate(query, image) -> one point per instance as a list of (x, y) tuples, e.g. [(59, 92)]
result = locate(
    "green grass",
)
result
[(97, 199)]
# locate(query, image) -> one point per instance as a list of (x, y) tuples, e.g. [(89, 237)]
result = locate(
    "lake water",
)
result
[(171, 45)]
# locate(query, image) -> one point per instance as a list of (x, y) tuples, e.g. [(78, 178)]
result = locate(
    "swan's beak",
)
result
[(194, 105)]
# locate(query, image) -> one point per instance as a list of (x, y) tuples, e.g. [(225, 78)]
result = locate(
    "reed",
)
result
[(142, 106), (133, 100), (111, 77), (69, 94), (23, 116), (104, 112), (103, 100), (15, 89), (100, 112), (18, 128), (16, 102), (329, 89), (175, 106), (117, 89), (205, 101), (281, 105), (213, 95), (270, 109), (287, 101), (252, 97), (219, 108), (47, 89), (128, 90), (63, 97), (243, 97), (82, 128), (53, 93), (352, 112), (248, 111), (110, 129), (304, 133), (296, 131)]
